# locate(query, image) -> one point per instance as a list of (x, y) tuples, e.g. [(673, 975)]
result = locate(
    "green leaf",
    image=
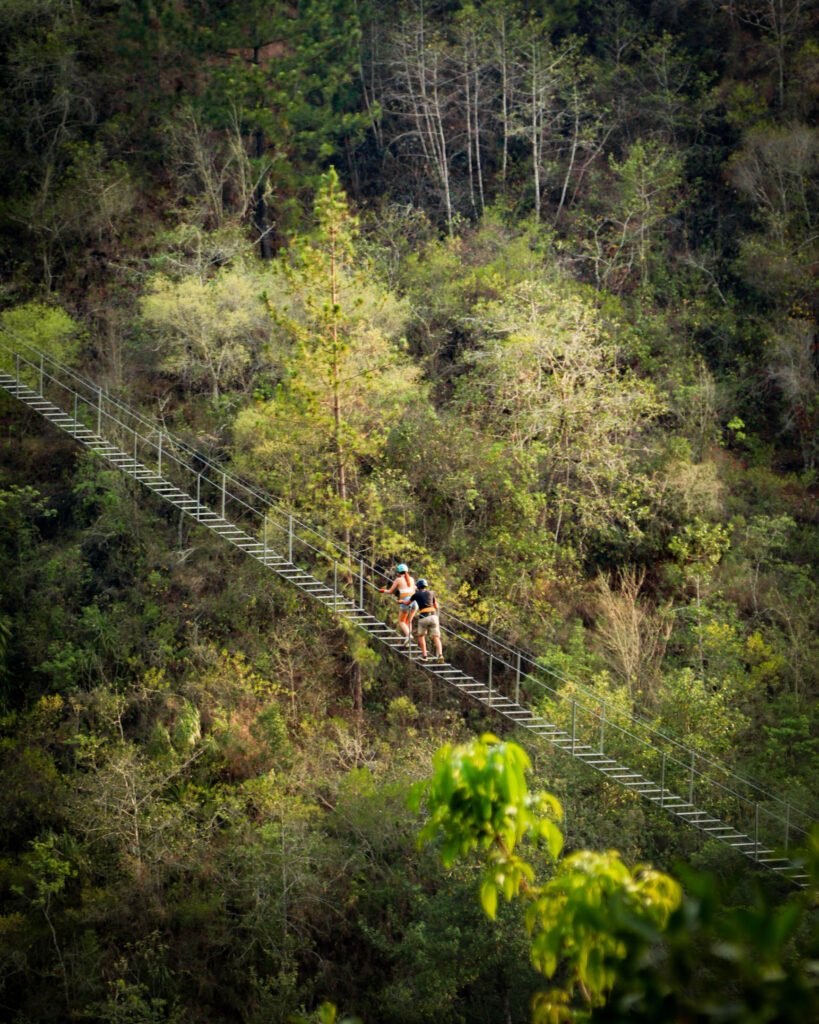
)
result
[(327, 1013), (553, 836), (489, 897)]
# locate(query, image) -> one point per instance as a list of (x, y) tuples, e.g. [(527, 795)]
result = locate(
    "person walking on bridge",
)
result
[(424, 604), (403, 586)]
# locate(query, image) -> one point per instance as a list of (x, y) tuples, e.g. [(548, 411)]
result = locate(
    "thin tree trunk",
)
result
[(341, 455), (58, 951), (337, 421), (368, 90), (468, 101), (476, 93), (259, 202), (358, 691), (284, 890), (572, 155), (699, 633), (443, 160), (504, 100), (535, 148)]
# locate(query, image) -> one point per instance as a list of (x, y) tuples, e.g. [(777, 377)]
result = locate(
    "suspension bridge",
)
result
[(760, 824)]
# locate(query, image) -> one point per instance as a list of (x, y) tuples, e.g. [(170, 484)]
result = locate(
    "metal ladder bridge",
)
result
[(690, 786)]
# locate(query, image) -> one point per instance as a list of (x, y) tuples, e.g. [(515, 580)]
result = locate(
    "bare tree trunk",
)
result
[(441, 148), (782, 21), (368, 86), (700, 645), (476, 94), (259, 201), (418, 88), (504, 68), (535, 128), (358, 691), (468, 103), (538, 106), (337, 418), (338, 423), (570, 168)]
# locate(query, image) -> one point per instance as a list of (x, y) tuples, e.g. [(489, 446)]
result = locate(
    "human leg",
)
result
[(432, 627)]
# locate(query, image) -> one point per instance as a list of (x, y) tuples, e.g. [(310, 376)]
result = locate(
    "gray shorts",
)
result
[(428, 625)]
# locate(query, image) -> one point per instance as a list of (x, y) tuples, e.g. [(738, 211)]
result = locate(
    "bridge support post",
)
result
[(290, 539), (662, 782), (99, 412), (756, 831), (517, 681), (602, 727), (491, 661), (691, 779), (159, 455), (574, 724), (224, 488), (361, 583), (42, 377)]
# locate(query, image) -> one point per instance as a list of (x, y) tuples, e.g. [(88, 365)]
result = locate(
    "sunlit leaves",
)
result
[(208, 329), (586, 915), (548, 382), (580, 915), (47, 328), (699, 546), (479, 798)]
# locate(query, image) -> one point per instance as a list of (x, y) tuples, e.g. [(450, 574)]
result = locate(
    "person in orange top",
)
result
[(403, 586)]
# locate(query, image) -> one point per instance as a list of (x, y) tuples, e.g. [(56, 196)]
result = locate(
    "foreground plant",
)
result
[(580, 918), (618, 943)]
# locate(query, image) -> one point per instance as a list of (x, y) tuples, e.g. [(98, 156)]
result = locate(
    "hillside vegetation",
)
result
[(520, 293)]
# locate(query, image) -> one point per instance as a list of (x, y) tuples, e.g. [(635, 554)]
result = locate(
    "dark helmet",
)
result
[(421, 584)]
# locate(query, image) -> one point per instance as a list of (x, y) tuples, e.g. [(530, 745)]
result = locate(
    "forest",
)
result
[(522, 293)]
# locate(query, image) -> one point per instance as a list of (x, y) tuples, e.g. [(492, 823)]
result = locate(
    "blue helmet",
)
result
[(421, 584), (401, 567)]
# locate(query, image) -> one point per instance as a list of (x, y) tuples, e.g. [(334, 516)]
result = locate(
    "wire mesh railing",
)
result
[(683, 777)]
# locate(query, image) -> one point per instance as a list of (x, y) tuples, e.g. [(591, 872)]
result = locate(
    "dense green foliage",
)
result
[(522, 293), (615, 944)]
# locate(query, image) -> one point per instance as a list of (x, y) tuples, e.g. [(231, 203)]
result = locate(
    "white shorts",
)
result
[(428, 625)]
